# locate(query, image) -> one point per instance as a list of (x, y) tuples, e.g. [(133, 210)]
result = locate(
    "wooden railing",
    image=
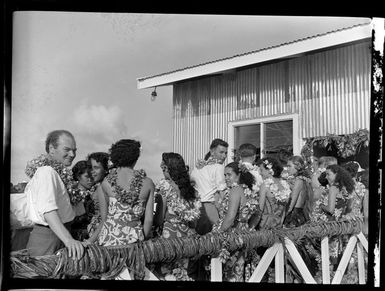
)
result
[(276, 252), (107, 262)]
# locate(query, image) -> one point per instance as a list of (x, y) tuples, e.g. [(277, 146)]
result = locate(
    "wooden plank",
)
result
[(361, 263), (363, 240), (264, 263), (216, 270), (280, 265), (302, 268), (325, 260), (344, 260), (149, 276)]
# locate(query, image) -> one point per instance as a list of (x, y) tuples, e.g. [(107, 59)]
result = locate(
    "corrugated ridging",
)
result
[(330, 90)]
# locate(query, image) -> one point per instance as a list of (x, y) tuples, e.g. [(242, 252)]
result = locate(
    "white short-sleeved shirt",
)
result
[(46, 192), (208, 180)]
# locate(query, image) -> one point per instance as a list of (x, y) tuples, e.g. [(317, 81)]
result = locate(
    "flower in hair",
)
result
[(269, 166)]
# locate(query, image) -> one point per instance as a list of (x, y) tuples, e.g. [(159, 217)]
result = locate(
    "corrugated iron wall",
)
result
[(330, 90)]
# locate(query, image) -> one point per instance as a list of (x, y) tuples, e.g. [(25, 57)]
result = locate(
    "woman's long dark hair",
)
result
[(179, 174), (244, 177), (343, 178), (300, 166)]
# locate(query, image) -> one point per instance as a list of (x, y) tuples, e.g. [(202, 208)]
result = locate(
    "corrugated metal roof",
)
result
[(240, 56)]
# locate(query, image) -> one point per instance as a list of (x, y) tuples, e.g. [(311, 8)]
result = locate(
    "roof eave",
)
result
[(281, 51)]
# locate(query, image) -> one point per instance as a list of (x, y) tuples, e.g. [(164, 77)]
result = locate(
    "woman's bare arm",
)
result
[(234, 202)]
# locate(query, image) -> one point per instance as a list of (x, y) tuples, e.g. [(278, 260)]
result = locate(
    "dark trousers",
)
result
[(43, 241)]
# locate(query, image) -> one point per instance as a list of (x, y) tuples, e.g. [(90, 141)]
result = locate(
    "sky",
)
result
[(78, 71)]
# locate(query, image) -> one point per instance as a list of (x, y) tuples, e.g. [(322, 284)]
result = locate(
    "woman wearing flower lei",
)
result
[(131, 196), (273, 195), (81, 174), (358, 194), (236, 207), (333, 207), (299, 206), (319, 169), (181, 210), (96, 204), (298, 212), (358, 197)]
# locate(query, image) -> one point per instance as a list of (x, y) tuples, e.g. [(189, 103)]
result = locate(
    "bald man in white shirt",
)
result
[(49, 204)]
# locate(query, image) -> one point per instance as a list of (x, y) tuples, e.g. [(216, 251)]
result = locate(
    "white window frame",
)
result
[(294, 117)]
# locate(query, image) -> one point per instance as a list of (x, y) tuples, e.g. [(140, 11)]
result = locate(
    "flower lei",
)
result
[(75, 194), (281, 196), (127, 196), (184, 210), (318, 214), (210, 161)]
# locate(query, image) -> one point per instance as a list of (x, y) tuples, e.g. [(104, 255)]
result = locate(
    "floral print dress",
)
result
[(273, 212), (336, 243), (179, 214), (234, 263), (123, 223)]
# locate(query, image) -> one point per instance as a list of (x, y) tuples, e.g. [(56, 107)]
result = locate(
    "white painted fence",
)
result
[(276, 252)]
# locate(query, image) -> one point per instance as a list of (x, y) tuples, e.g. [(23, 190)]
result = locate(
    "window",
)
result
[(278, 135), (269, 134)]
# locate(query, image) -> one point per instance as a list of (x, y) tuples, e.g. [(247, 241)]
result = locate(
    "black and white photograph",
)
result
[(192, 149)]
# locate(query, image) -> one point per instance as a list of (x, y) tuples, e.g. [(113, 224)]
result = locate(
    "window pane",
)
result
[(248, 134), (278, 135)]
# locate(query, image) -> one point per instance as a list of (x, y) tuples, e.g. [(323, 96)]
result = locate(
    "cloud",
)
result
[(105, 124)]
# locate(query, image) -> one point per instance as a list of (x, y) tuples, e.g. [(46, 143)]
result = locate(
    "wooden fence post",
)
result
[(325, 260), (264, 263), (344, 260), (216, 270), (302, 268), (280, 265)]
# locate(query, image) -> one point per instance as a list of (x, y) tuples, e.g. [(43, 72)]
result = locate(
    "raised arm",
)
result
[(234, 202)]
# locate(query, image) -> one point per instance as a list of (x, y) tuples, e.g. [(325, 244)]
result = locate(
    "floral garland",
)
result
[(347, 145), (285, 174), (127, 196), (281, 196), (75, 194), (254, 170), (210, 161), (185, 211), (318, 214)]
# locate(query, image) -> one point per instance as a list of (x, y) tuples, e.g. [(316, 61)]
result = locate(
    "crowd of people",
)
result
[(105, 200)]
